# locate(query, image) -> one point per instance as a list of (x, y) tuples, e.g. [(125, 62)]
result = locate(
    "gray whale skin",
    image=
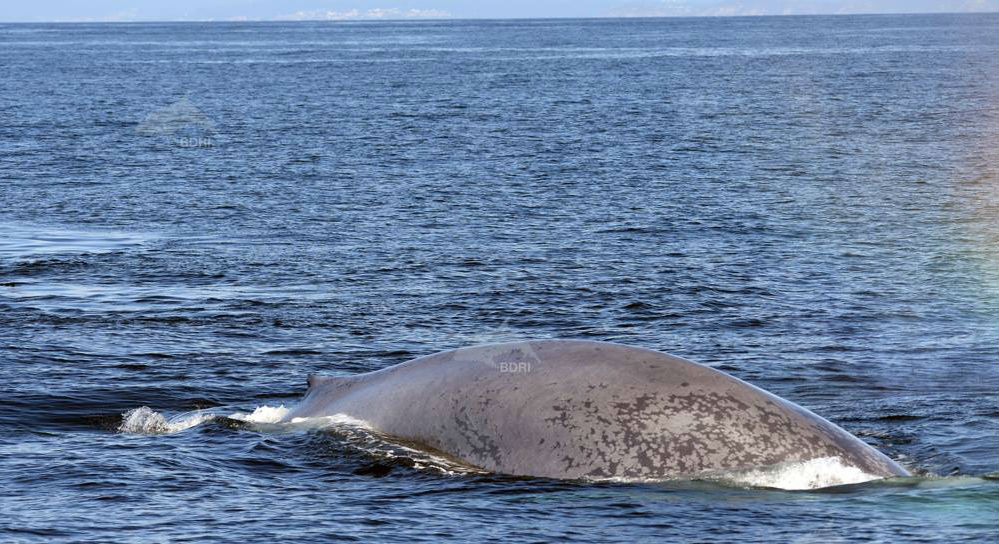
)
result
[(576, 409)]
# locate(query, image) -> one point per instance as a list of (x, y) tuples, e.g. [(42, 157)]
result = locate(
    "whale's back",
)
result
[(583, 409)]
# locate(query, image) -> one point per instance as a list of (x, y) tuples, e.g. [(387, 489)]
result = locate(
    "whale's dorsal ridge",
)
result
[(315, 379)]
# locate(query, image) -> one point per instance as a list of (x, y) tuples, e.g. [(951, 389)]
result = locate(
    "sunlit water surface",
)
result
[(193, 217)]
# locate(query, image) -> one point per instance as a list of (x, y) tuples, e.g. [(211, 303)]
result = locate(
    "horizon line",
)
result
[(448, 18)]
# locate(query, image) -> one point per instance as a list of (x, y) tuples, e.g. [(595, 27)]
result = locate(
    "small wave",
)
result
[(800, 475), (145, 420), (356, 434)]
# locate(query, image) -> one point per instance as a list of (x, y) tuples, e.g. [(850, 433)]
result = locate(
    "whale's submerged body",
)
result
[(582, 409)]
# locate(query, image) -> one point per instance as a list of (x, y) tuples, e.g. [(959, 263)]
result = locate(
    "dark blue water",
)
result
[(196, 216)]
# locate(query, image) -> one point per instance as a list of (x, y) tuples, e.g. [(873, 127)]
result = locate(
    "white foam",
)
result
[(144, 420), (812, 474), (333, 420), (277, 414), (263, 414)]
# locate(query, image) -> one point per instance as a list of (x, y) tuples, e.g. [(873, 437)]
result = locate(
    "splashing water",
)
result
[(798, 475), (263, 414), (145, 420)]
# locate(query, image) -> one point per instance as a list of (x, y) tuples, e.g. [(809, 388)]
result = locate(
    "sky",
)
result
[(180, 10)]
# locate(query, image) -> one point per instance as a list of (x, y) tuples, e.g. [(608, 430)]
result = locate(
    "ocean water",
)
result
[(193, 217)]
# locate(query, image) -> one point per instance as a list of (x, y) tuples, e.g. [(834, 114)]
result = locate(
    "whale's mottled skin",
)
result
[(582, 409)]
